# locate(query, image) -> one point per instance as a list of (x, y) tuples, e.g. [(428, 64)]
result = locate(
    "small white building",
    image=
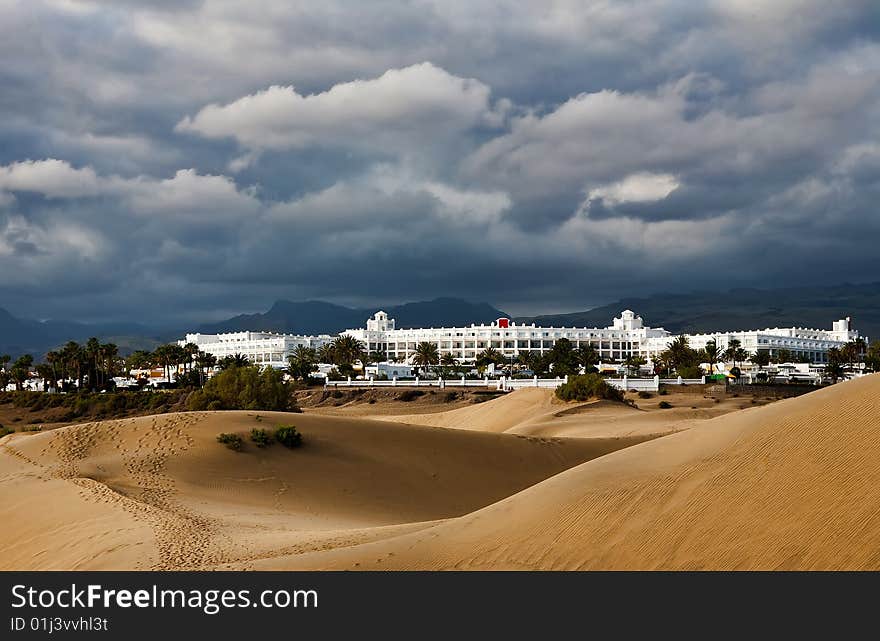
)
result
[(266, 349), (390, 370), (803, 343)]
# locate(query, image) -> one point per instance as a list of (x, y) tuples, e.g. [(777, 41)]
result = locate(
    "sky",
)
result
[(181, 160)]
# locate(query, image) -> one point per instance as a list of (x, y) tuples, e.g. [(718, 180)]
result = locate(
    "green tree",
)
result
[(587, 357), (761, 358), (344, 352), (244, 388), (733, 351), (205, 362), (564, 358), (426, 355), (301, 362), (712, 354), (872, 358), (20, 371), (783, 355), (834, 368), (448, 364), (489, 356), (633, 365), (233, 360), (682, 357)]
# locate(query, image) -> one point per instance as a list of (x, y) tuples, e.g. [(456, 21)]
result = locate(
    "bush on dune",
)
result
[(586, 387), (288, 436), (244, 388)]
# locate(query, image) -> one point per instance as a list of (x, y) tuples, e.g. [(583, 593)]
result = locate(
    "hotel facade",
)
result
[(266, 349), (626, 336)]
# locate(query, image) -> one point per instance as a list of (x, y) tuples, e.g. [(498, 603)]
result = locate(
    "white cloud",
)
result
[(187, 192), (400, 109), (51, 177), (636, 188)]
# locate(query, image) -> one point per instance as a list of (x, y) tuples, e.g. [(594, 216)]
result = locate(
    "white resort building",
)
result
[(261, 348), (626, 336)]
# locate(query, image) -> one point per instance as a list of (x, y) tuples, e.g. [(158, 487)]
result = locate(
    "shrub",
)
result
[(410, 395), (663, 392), (232, 441), (690, 372), (586, 387), (665, 405), (5, 430), (288, 436), (261, 438), (244, 388), (644, 394)]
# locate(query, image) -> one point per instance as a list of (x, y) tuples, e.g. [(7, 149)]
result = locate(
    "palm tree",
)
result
[(325, 353), (761, 358), (302, 362), (345, 351), (633, 364), (74, 358), (834, 366), (587, 357), (93, 352), (21, 370), (734, 349), (489, 356), (426, 354), (204, 362), (192, 350), (109, 353), (712, 353), (449, 364), (783, 355), (53, 358), (4, 361), (233, 360), (680, 353)]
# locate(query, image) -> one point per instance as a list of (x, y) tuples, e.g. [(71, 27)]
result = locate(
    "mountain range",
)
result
[(691, 312), (740, 309)]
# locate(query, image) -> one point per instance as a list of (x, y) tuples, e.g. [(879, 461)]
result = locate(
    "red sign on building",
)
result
[(503, 322)]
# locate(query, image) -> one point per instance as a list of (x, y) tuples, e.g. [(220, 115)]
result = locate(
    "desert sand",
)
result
[(792, 485)]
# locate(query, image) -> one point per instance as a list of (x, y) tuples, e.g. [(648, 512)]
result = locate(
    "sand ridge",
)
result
[(183, 501), (794, 485)]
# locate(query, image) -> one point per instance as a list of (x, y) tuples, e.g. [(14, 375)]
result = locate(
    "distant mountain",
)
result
[(814, 307), (24, 336), (318, 317)]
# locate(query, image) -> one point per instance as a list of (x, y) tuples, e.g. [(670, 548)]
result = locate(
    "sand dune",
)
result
[(537, 412), (160, 492), (793, 485), (497, 415)]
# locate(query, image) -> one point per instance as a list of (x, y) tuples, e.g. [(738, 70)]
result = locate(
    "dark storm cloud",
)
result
[(167, 160)]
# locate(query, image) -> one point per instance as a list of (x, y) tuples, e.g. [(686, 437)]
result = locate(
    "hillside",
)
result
[(740, 309), (318, 317), (794, 486)]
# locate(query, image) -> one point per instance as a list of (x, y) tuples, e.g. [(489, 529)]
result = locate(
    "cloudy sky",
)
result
[(178, 160)]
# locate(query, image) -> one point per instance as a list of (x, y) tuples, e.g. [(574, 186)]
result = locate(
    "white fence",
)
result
[(508, 384), (417, 382), (683, 381)]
